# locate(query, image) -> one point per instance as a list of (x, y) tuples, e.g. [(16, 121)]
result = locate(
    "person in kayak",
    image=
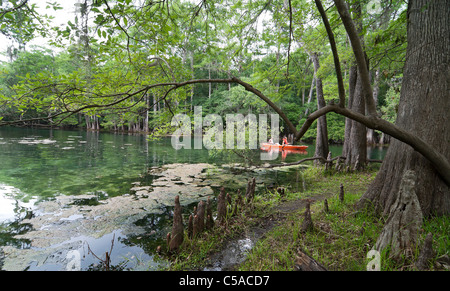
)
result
[(285, 142)]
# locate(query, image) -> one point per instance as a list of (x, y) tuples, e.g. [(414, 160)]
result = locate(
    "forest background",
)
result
[(96, 70)]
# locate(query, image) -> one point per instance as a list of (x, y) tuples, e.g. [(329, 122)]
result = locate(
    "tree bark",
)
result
[(311, 89), (401, 229), (322, 131), (354, 29), (423, 110), (371, 137), (176, 237), (348, 122), (333, 46), (355, 144)]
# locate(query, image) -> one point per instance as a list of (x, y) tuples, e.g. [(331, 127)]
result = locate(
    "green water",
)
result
[(44, 163), (40, 164)]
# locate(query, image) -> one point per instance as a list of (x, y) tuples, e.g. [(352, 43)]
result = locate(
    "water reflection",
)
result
[(11, 207), (39, 165), (12, 212), (273, 153), (47, 163), (88, 253)]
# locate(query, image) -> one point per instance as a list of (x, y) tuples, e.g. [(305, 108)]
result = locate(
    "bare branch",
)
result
[(337, 63), (17, 7), (438, 160), (304, 160), (359, 55), (290, 37), (250, 88)]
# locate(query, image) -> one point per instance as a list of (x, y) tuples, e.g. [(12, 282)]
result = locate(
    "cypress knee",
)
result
[(239, 200), (426, 254), (250, 190), (209, 215), (307, 224), (229, 198), (168, 238), (190, 226), (201, 216), (209, 222), (235, 208), (221, 206), (195, 230), (177, 235), (341, 193)]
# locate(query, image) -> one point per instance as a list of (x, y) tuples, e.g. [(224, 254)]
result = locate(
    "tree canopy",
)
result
[(135, 64), (355, 71), (123, 56)]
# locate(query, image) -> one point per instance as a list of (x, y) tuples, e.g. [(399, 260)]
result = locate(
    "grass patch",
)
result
[(341, 239)]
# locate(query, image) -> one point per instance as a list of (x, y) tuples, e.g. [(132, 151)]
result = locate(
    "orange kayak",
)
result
[(267, 146)]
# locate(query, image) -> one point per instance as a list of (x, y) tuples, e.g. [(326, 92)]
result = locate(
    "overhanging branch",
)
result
[(359, 55), (438, 160), (337, 64), (12, 9), (304, 160)]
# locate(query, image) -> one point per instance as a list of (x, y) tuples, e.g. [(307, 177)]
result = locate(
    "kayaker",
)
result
[(270, 141), (285, 142)]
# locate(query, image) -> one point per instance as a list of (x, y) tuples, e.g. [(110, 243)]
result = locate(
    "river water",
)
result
[(39, 166)]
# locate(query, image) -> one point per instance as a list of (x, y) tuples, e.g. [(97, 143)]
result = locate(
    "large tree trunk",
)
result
[(355, 144), (423, 109), (322, 131), (193, 77), (147, 101), (348, 122), (355, 147), (371, 137)]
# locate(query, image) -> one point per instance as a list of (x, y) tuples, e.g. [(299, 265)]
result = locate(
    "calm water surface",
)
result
[(39, 164)]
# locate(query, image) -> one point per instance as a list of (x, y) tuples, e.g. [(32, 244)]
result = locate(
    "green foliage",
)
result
[(111, 68), (390, 109), (336, 127), (20, 22)]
